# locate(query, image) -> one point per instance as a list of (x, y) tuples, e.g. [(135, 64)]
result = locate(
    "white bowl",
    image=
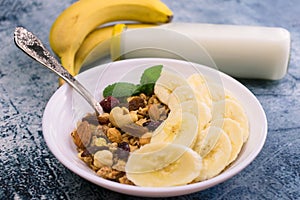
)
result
[(60, 118)]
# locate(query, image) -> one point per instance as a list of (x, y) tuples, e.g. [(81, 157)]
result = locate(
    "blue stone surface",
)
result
[(28, 170)]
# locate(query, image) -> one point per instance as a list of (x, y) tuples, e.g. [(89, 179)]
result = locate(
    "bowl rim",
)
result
[(152, 191)]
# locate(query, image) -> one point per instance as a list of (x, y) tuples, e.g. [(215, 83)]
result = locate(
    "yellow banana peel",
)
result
[(74, 24)]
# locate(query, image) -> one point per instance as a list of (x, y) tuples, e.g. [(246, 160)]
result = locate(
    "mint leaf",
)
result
[(147, 89), (151, 75), (146, 86), (120, 89), (149, 78)]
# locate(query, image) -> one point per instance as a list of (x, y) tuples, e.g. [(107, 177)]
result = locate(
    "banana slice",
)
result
[(180, 95), (178, 128), (160, 166), (235, 134), (203, 112), (197, 80), (217, 91), (162, 93), (200, 110), (201, 89), (217, 159), (207, 90), (190, 106), (206, 140), (166, 84), (230, 108)]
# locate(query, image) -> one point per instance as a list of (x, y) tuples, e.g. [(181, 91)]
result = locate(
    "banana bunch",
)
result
[(74, 33), (192, 144), (97, 43)]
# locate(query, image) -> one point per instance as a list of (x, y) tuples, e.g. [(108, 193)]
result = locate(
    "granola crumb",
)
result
[(114, 135), (109, 173), (125, 180)]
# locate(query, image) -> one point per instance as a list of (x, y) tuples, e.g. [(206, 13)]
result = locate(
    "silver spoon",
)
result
[(32, 46)]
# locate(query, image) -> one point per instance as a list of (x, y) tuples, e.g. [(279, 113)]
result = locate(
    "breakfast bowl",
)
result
[(65, 108)]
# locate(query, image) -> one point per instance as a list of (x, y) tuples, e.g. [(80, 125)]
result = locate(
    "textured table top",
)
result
[(28, 170)]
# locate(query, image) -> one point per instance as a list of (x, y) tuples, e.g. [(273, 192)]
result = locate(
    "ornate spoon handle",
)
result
[(33, 47)]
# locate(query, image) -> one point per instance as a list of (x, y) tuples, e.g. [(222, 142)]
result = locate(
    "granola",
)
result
[(104, 142)]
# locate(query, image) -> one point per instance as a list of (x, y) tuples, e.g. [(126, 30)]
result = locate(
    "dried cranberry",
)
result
[(152, 125), (109, 103)]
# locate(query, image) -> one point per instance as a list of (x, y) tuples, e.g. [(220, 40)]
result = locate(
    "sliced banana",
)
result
[(217, 159), (206, 140), (197, 80), (203, 112), (217, 91), (162, 93), (187, 106), (235, 134), (180, 95), (208, 90), (199, 109), (203, 116), (178, 128), (230, 108), (166, 84), (201, 89), (173, 171)]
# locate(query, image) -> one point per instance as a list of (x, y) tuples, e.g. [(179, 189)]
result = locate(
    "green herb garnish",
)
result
[(149, 79), (120, 89), (151, 75), (146, 85)]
